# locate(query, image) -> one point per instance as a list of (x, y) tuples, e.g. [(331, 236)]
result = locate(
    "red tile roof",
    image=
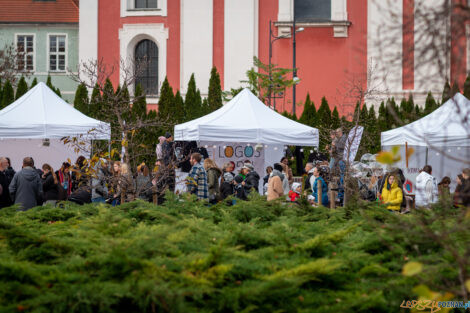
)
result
[(34, 11)]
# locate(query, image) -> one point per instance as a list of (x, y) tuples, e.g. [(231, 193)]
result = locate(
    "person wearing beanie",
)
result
[(275, 189), (226, 188), (294, 193), (252, 178), (239, 188)]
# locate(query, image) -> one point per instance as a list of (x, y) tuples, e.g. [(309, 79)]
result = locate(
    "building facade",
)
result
[(45, 33), (346, 50)]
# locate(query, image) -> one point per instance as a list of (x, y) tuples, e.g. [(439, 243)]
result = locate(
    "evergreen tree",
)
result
[(335, 120), (357, 111), (95, 102), (373, 130), (22, 88), (33, 83), (166, 102), (430, 104), (417, 112), (139, 105), (124, 99), (49, 84), (324, 112), (382, 118), (205, 107), (106, 100), (446, 92), (466, 87), (309, 114), (193, 101), (179, 108), (214, 97), (364, 116), (324, 125), (81, 99), (392, 109), (8, 95)]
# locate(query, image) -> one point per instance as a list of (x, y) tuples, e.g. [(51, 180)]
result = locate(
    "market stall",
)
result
[(34, 125), (246, 129), (440, 139)]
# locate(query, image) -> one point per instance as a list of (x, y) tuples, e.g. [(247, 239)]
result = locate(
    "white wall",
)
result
[(88, 31), (241, 40), (430, 71), (196, 42)]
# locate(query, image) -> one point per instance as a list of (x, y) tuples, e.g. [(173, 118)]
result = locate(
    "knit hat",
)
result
[(228, 177), (295, 186), (248, 166), (167, 135)]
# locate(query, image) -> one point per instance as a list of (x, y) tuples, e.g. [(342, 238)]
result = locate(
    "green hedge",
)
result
[(187, 257)]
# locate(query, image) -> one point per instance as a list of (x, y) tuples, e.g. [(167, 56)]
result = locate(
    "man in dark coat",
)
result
[(252, 178), (169, 161), (26, 187), (5, 180)]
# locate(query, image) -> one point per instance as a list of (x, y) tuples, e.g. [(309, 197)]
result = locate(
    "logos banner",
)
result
[(352, 144), (236, 152)]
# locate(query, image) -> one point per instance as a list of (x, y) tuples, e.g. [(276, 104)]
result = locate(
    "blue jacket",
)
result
[(324, 189)]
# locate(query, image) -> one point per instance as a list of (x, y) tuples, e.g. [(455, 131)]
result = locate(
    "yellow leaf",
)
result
[(385, 157), (467, 285), (69, 161), (409, 152), (124, 143), (395, 150), (412, 268)]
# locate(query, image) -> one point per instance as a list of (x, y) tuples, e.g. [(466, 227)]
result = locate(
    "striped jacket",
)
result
[(197, 182)]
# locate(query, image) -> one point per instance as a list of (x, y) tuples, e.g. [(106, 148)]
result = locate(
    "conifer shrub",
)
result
[(185, 256)]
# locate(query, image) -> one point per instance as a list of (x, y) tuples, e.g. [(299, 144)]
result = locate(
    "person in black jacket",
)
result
[(238, 188), (10, 172), (252, 178), (5, 180), (50, 185), (226, 188), (26, 187)]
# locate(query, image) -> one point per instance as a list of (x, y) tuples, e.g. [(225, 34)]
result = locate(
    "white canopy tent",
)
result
[(38, 115), (440, 139), (246, 119), (245, 128)]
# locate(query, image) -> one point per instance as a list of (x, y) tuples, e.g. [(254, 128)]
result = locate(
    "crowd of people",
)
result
[(322, 181)]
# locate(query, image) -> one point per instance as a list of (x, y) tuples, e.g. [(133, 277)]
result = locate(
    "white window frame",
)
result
[(57, 53), (128, 9), (34, 49), (130, 35)]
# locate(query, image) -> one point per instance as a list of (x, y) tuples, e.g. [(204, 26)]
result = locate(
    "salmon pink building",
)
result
[(339, 48)]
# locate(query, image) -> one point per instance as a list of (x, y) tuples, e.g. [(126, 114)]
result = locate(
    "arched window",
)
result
[(146, 60)]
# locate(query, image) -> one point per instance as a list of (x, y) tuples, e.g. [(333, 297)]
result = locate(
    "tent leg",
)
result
[(426, 159)]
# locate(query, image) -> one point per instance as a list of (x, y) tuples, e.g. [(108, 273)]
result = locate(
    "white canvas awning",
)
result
[(246, 119), (449, 125), (41, 114)]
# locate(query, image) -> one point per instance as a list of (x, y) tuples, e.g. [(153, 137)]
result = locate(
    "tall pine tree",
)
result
[(1, 90), (22, 88), (139, 105), (166, 102), (193, 101), (309, 115), (214, 97), (8, 95), (81, 102), (324, 117), (178, 109), (94, 107), (49, 84), (335, 120), (33, 83), (430, 104), (382, 118), (446, 93)]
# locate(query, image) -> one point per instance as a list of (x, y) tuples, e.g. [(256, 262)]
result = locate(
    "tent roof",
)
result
[(246, 119), (449, 125), (40, 113)]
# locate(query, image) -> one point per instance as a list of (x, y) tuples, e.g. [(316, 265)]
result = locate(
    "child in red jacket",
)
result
[(294, 193)]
